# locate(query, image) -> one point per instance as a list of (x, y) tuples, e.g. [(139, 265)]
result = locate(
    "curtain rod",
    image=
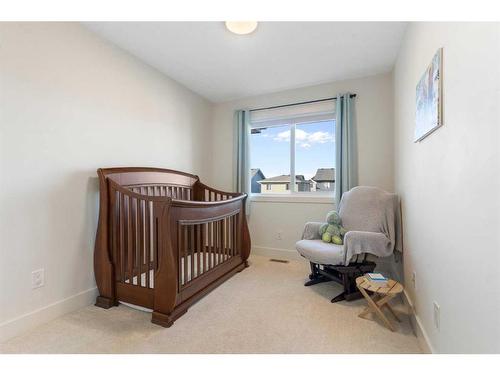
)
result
[(308, 102)]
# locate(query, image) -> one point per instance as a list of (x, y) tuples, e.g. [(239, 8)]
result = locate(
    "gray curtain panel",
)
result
[(346, 163), (242, 173)]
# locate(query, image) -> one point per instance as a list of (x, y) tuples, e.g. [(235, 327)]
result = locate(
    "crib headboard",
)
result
[(133, 176), (152, 181)]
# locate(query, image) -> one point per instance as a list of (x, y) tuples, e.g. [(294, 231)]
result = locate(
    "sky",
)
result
[(314, 148)]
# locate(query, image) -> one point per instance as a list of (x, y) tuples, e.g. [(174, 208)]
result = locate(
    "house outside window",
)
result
[(293, 150)]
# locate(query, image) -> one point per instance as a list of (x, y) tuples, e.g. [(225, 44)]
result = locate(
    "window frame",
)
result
[(293, 194)]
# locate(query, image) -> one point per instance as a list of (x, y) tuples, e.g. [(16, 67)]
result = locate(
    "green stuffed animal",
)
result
[(332, 231)]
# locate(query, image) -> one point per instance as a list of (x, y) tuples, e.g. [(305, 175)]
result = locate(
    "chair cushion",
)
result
[(320, 252)]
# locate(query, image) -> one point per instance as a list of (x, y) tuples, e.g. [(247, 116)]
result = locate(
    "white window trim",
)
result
[(294, 196)]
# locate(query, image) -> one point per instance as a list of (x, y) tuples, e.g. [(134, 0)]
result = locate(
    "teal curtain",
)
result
[(346, 163), (242, 173)]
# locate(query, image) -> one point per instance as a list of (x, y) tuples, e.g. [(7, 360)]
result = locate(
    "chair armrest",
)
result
[(311, 231), (367, 242)]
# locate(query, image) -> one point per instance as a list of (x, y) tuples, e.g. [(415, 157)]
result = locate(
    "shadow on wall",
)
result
[(66, 227), (87, 237), (82, 211)]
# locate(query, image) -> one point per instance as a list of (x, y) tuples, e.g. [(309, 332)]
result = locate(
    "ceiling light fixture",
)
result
[(241, 27)]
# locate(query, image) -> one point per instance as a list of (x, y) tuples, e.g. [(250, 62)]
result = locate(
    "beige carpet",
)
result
[(264, 309)]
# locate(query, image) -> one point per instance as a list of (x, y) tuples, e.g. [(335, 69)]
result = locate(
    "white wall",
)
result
[(449, 184), (69, 104), (375, 139)]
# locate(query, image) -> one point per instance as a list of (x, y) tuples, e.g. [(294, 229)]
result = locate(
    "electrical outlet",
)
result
[(414, 280), (37, 278), (279, 235), (437, 315)]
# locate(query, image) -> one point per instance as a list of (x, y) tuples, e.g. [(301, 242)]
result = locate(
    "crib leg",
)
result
[(105, 302), (165, 320)]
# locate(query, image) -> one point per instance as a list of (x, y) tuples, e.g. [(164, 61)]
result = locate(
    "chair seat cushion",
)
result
[(320, 252)]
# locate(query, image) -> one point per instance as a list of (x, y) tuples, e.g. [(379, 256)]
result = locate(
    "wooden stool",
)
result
[(382, 295)]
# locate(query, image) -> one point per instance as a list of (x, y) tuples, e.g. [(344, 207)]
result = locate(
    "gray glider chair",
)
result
[(372, 219)]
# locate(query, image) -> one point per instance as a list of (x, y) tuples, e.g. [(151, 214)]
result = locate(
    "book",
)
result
[(377, 278)]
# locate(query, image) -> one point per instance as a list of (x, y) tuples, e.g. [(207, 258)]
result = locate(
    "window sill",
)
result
[(292, 198)]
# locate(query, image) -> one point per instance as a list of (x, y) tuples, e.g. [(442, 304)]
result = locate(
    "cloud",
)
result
[(305, 139)]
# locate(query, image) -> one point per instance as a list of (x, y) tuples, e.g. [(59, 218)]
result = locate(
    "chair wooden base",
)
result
[(344, 275)]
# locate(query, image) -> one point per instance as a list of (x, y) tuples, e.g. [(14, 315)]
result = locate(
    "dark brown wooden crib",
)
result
[(164, 239)]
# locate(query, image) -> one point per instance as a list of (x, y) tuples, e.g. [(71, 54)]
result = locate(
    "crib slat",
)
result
[(185, 253), (229, 236), (141, 239), (224, 234), (230, 233), (209, 245), (223, 239), (228, 228), (199, 259), (133, 224), (137, 241), (234, 234), (195, 251), (147, 217), (205, 247), (213, 248), (219, 242), (191, 248), (238, 233), (214, 243), (123, 236), (198, 247), (130, 250)]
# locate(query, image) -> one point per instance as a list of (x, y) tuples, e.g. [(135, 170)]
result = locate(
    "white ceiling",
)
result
[(222, 66)]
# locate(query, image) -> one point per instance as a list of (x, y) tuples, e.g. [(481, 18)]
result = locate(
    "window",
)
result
[(293, 152)]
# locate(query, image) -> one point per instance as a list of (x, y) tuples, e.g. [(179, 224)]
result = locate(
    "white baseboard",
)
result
[(418, 328), (24, 323), (272, 252)]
